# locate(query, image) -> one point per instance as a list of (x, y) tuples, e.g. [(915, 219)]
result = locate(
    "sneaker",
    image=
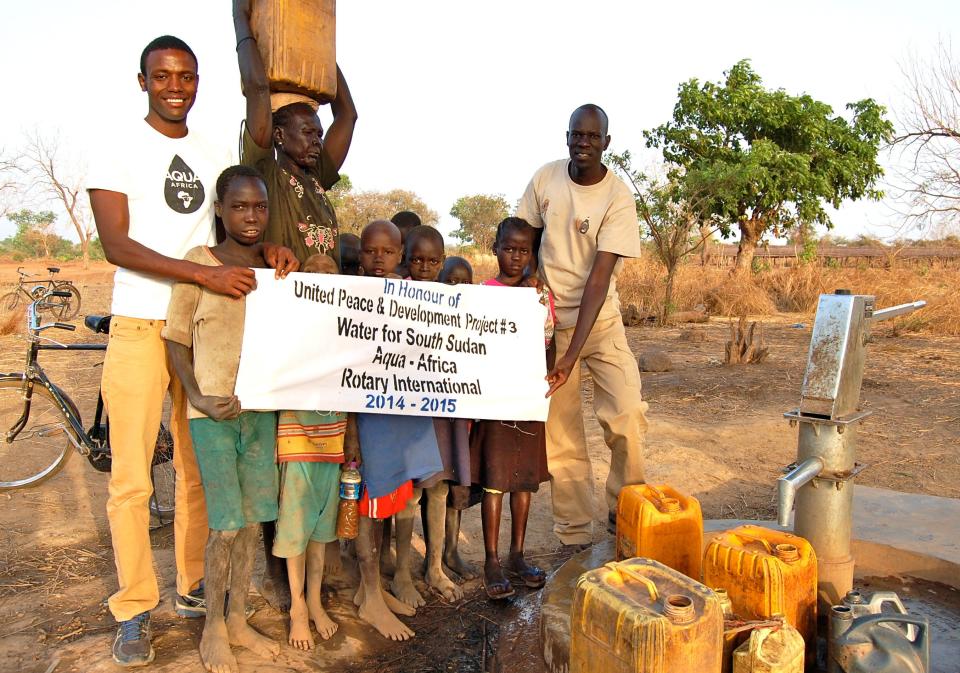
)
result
[(132, 646), (194, 604)]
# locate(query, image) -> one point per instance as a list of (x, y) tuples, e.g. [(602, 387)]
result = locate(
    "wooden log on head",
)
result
[(298, 44)]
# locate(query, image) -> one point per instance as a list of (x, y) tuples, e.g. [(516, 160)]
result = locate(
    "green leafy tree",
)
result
[(479, 215), (356, 209), (769, 159), (804, 235), (339, 191), (672, 219), (36, 236)]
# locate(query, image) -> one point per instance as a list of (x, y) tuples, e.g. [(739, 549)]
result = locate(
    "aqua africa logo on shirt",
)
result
[(182, 188)]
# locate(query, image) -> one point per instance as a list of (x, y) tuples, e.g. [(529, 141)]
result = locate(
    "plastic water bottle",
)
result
[(348, 513)]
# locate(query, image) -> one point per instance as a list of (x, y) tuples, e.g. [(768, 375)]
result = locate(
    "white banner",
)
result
[(393, 346)]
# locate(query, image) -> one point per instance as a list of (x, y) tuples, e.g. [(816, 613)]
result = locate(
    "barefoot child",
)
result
[(510, 457), (310, 450), (456, 271), (234, 448), (424, 257), (393, 450)]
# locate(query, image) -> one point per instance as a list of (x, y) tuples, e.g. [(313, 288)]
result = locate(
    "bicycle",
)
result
[(62, 306), (39, 423)]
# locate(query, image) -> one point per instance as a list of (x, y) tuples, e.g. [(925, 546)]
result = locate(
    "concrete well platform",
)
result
[(907, 536)]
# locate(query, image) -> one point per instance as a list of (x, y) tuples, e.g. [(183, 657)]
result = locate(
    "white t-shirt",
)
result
[(577, 223), (170, 187)]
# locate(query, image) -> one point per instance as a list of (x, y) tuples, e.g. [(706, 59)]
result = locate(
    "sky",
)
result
[(458, 98)]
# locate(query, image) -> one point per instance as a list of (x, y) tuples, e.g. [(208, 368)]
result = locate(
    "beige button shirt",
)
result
[(579, 221)]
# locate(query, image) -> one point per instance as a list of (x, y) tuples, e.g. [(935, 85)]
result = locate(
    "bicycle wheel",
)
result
[(10, 300), (163, 477), (64, 308), (41, 448)]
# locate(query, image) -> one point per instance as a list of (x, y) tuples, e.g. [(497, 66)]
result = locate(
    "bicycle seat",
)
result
[(53, 269), (98, 323)]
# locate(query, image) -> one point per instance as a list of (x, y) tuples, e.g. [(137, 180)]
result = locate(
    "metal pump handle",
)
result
[(894, 311)]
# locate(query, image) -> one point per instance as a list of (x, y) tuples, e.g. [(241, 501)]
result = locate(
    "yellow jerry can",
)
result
[(766, 573), (777, 649), (661, 523), (639, 616)]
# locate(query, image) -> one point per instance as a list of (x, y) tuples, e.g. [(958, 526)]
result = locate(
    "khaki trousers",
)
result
[(622, 415), (137, 374)]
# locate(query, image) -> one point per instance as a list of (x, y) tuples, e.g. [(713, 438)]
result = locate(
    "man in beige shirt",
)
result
[(589, 223)]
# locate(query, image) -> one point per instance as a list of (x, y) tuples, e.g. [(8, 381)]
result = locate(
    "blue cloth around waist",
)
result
[(395, 449)]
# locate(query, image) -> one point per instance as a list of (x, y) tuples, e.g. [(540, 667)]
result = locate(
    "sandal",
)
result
[(532, 577), (498, 590)]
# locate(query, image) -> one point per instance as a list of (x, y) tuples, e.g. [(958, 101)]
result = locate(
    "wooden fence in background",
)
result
[(837, 255)]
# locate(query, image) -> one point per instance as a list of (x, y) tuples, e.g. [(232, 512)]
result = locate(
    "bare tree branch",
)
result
[(10, 186), (51, 174), (930, 135)]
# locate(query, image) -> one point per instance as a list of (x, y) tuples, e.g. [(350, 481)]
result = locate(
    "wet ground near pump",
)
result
[(939, 603), (474, 635)]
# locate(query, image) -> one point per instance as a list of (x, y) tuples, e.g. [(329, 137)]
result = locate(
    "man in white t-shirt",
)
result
[(152, 189), (589, 223)]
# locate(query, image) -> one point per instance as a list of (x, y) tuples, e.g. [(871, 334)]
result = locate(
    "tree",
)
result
[(8, 181), (479, 215), (337, 193), (48, 173), (36, 235), (768, 159), (930, 139), (357, 209), (671, 218)]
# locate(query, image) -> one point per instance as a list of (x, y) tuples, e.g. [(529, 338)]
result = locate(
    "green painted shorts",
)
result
[(237, 468), (309, 499)]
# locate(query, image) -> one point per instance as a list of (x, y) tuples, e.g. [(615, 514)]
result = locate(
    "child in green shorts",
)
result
[(310, 449), (234, 448)]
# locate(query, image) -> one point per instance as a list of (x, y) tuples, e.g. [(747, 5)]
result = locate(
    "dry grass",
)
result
[(788, 290), (736, 297), (484, 267), (11, 321)]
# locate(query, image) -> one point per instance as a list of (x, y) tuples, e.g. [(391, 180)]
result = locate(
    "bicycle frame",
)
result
[(33, 374), (48, 283)]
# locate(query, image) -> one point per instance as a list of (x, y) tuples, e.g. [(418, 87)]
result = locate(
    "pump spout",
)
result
[(788, 484)]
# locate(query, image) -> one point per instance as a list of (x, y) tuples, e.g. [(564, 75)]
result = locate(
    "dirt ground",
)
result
[(715, 432)]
